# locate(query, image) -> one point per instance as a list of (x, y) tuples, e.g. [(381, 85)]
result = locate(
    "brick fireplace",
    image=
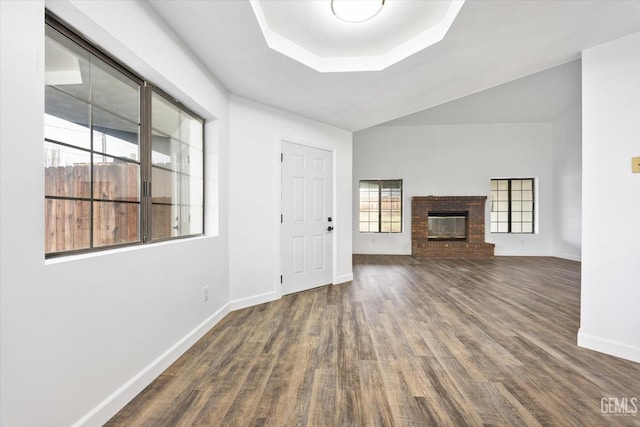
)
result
[(457, 227)]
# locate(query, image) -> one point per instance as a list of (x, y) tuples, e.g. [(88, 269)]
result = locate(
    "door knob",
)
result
[(329, 228)]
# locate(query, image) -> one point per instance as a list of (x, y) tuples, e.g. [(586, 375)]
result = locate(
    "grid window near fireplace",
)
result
[(380, 206), (512, 205)]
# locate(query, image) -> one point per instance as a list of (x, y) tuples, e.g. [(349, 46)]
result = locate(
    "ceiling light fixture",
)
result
[(356, 11)]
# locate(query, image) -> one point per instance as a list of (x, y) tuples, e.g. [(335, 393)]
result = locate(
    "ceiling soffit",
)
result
[(308, 32)]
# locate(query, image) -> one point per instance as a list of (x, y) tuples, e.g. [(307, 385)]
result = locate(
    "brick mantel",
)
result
[(474, 246)]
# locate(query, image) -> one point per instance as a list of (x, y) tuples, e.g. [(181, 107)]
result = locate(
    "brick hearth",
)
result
[(473, 247)]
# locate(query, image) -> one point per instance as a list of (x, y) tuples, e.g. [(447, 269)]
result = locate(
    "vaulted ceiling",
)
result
[(488, 44)]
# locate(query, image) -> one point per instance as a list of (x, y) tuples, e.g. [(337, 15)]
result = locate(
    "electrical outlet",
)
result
[(205, 293)]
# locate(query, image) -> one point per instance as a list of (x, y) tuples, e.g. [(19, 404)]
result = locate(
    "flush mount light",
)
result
[(356, 11)]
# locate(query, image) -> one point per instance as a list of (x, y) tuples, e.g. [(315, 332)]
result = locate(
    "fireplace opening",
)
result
[(447, 226)]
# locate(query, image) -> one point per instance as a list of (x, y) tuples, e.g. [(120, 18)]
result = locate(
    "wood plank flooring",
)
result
[(410, 342)]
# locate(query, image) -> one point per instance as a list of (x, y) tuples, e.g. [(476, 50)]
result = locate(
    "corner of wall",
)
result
[(606, 346), (125, 393), (610, 317)]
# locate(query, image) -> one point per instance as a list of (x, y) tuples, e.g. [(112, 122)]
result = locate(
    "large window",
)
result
[(512, 205), (381, 206), (123, 163)]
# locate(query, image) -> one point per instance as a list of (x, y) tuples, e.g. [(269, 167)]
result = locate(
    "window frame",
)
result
[(149, 164), (146, 90), (510, 210), (380, 222)]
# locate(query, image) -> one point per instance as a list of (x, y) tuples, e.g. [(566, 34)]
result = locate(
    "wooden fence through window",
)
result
[(116, 217)]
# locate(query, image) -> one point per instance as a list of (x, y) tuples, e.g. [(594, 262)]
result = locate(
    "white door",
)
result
[(307, 223)]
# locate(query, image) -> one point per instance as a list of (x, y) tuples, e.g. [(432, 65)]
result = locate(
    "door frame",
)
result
[(278, 211)]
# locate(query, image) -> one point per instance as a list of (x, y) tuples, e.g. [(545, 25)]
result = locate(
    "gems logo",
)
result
[(627, 406)]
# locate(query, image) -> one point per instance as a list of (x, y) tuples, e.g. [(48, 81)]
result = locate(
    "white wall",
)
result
[(456, 160), (567, 177), (82, 335), (610, 312), (256, 136)]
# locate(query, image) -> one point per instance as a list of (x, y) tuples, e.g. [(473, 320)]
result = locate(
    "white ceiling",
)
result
[(538, 98), (489, 43)]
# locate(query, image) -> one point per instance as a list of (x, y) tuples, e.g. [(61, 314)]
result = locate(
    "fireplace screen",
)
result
[(447, 226)]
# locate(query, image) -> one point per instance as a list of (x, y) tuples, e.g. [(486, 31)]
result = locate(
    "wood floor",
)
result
[(408, 343)]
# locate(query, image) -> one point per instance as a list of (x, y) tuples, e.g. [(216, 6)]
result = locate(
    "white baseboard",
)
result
[(343, 278), (99, 415), (520, 253), (238, 304), (383, 252), (570, 257), (613, 348)]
